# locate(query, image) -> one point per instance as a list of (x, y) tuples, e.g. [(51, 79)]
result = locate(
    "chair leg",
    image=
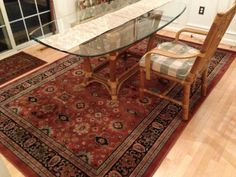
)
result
[(185, 105), (204, 83), (142, 83)]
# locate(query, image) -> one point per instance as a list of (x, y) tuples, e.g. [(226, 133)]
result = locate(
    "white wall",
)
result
[(191, 18), (65, 13), (203, 21), (63, 8)]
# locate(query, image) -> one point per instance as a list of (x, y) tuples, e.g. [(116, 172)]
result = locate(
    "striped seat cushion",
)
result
[(178, 68)]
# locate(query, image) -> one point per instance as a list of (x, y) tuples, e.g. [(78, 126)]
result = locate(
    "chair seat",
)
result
[(178, 68)]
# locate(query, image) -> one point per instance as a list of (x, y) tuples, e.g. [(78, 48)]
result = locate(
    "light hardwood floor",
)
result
[(207, 147)]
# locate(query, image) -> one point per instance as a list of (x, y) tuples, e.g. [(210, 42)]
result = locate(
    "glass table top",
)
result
[(111, 32)]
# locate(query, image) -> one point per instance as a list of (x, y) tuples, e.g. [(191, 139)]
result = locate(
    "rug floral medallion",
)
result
[(59, 128)]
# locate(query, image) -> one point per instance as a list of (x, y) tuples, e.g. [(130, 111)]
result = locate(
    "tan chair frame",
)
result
[(203, 57)]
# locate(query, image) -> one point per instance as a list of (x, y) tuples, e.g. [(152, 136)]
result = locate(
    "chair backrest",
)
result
[(217, 30), (214, 36)]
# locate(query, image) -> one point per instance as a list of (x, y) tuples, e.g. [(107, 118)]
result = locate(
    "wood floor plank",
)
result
[(208, 143)]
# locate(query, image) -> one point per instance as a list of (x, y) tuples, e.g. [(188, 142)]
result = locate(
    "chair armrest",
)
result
[(166, 54), (190, 30)]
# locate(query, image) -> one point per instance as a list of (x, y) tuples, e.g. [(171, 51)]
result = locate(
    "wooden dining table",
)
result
[(109, 36)]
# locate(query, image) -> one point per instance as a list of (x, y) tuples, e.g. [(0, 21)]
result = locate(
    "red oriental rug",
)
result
[(16, 65), (52, 126)]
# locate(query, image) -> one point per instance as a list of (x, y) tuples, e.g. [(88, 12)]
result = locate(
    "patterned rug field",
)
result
[(16, 65), (52, 126)]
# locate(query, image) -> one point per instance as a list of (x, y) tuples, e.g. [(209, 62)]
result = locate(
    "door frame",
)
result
[(8, 28)]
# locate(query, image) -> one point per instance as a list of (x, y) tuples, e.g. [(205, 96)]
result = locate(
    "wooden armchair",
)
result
[(181, 63)]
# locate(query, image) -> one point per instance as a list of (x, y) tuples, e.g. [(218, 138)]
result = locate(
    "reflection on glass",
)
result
[(32, 23), (46, 18), (4, 40), (19, 32), (28, 7), (13, 9), (43, 5)]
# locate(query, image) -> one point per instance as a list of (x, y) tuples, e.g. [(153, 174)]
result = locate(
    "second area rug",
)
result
[(16, 65)]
